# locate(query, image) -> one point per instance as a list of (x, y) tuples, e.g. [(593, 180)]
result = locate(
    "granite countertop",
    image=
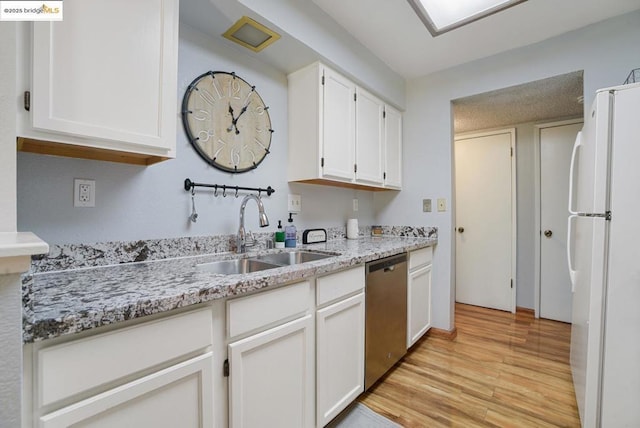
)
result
[(70, 301)]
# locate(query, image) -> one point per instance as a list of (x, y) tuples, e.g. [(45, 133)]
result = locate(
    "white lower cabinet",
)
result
[(293, 369), (295, 359), (179, 396), (419, 295), (150, 374), (271, 378), (339, 341), (271, 358), (340, 356)]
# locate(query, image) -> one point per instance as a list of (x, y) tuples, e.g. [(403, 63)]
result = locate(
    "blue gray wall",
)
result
[(135, 202), (606, 51), (138, 203)]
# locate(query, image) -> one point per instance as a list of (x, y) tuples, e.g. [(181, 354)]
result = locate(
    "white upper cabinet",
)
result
[(104, 79), (393, 148), (337, 132), (369, 138)]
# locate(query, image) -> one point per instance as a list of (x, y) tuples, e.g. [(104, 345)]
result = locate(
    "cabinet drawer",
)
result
[(171, 397), (71, 368), (420, 257), (337, 285), (260, 310)]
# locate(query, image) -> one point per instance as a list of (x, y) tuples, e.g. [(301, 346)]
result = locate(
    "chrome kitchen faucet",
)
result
[(242, 235)]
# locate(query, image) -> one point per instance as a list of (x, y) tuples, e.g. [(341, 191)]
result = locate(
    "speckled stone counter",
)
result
[(69, 301)]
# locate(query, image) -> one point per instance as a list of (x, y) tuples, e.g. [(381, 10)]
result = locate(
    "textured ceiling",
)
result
[(552, 98)]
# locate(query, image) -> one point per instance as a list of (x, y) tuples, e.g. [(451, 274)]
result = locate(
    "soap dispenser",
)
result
[(290, 233), (279, 236)]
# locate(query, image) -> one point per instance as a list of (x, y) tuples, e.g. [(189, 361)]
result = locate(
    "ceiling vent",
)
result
[(251, 34)]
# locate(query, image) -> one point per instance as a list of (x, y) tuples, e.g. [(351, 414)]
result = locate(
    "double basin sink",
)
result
[(262, 262)]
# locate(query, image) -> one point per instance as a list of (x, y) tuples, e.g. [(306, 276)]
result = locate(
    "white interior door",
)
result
[(556, 143), (485, 219)]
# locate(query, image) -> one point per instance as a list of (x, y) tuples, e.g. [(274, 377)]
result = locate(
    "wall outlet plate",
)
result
[(426, 205), (442, 204), (84, 193)]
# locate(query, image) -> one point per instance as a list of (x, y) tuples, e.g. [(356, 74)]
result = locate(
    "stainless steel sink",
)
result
[(293, 257), (236, 267)]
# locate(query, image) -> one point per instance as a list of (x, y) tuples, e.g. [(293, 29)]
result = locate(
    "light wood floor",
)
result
[(501, 370)]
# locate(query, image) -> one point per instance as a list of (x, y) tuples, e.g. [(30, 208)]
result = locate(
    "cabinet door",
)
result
[(419, 304), (338, 128), (108, 72), (369, 137), (393, 148), (179, 396), (271, 382), (340, 356)]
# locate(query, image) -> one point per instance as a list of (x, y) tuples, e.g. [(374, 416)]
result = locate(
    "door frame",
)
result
[(537, 203), (514, 207)]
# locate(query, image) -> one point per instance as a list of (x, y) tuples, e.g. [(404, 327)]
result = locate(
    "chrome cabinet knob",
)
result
[(461, 229), (548, 233)]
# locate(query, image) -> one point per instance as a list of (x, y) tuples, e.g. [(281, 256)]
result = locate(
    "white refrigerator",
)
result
[(603, 247)]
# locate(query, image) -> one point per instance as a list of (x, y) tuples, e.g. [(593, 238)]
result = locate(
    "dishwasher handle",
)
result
[(387, 264)]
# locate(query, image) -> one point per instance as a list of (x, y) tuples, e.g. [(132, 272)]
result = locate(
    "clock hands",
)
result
[(234, 120)]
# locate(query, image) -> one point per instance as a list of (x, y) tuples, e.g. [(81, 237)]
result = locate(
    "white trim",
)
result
[(514, 197), (537, 227), (514, 221)]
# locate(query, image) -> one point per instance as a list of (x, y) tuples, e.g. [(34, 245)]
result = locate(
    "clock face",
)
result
[(226, 121)]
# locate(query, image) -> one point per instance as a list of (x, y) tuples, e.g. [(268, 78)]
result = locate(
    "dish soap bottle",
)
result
[(279, 235), (290, 233)]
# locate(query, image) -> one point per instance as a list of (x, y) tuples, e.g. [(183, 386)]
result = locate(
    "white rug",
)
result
[(360, 416)]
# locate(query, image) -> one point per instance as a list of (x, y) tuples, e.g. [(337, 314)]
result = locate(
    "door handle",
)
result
[(548, 233), (572, 272), (461, 229), (574, 152)]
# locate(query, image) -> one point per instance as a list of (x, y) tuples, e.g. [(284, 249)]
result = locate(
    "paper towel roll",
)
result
[(352, 228)]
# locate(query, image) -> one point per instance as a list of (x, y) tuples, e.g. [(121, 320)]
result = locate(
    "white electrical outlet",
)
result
[(84, 193), (355, 204), (295, 204), (442, 204)]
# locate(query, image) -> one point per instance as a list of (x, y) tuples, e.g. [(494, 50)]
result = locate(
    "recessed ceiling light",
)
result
[(251, 34), (440, 16)]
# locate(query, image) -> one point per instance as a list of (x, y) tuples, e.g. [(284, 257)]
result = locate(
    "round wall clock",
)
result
[(226, 121)]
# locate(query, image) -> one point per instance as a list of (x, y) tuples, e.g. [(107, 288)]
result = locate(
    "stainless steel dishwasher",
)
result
[(385, 316)]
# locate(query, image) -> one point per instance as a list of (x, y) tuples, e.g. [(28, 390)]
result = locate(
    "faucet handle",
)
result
[(249, 240)]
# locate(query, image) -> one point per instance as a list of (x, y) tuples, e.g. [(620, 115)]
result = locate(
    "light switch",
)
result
[(442, 204), (294, 204), (426, 205)]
